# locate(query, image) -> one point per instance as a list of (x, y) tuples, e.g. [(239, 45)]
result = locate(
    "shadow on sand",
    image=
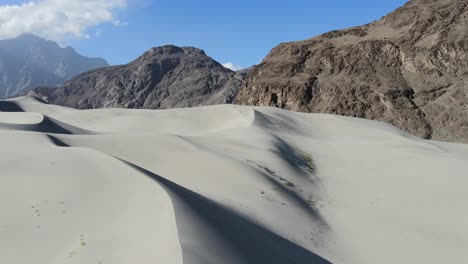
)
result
[(253, 242), (7, 106), (250, 241)]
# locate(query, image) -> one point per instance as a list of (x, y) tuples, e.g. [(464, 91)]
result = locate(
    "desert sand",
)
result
[(224, 184)]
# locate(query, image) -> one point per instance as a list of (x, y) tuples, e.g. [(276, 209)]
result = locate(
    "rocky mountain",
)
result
[(163, 77), (29, 61), (409, 69)]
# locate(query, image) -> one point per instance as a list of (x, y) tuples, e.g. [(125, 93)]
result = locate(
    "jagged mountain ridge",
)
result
[(410, 69), (163, 77), (29, 61)]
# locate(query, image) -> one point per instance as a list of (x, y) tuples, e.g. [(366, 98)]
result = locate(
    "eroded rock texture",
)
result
[(410, 69), (163, 77)]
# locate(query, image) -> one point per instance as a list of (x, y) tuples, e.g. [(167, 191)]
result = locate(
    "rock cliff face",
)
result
[(163, 77), (29, 61), (410, 69)]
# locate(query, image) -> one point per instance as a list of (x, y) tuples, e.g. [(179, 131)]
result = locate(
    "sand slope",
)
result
[(224, 184)]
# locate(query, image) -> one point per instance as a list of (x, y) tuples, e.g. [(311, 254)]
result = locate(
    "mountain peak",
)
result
[(428, 16), (166, 49), (30, 36), (172, 49), (164, 52), (28, 61), (163, 77)]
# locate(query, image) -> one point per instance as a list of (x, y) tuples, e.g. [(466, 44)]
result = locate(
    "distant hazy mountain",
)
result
[(410, 69), (29, 61), (163, 77)]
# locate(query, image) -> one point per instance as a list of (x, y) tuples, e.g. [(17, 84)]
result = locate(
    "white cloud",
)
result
[(231, 66), (57, 19)]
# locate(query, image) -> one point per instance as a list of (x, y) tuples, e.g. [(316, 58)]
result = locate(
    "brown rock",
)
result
[(409, 69), (163, 77)]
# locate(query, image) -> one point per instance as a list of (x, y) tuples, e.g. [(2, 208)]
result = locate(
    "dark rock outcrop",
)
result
[(163, 77), (29, 61), (409, 69)]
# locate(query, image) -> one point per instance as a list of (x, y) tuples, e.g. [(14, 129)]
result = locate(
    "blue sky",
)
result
[(241, 32)]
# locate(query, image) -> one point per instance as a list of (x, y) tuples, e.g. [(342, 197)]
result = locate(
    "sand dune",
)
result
[(224, 184)]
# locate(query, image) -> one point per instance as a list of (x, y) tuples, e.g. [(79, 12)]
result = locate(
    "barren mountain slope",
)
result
[(410, 69), (28, 61), (163, 77)]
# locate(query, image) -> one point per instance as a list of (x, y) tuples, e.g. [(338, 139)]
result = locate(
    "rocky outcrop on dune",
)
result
[(409, 69), (163, 77), (29, 61)]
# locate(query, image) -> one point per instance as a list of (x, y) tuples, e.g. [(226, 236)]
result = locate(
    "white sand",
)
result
[(224, 184)]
